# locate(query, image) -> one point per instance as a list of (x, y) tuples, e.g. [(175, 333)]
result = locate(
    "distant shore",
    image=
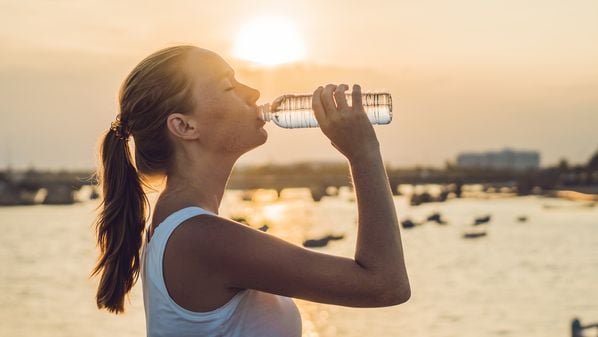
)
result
[(586, 195), (424, 184)]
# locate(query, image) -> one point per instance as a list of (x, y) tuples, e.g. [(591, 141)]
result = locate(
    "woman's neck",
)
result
[(200, 182)]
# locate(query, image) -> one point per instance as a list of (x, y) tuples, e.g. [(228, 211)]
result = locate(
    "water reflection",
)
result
[(524, 278)]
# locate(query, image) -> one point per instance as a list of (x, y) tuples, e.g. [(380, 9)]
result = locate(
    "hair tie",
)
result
[(120, 128)]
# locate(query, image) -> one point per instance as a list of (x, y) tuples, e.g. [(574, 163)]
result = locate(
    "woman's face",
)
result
[(226, 110)]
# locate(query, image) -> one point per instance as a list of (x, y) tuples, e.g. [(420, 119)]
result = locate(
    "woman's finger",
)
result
[(339, 96), (316, 105), (356, 98), (327, 100)]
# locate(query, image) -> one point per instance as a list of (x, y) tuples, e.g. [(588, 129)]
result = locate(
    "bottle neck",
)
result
[(264, 112)]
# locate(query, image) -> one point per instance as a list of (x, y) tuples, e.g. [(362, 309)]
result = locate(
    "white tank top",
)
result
[(250, 313)]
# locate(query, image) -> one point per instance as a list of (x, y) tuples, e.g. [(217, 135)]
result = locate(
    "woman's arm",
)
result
[(241, 257), (379, 248)]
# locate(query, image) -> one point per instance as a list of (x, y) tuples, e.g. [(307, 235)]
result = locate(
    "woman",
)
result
[(205, 275)]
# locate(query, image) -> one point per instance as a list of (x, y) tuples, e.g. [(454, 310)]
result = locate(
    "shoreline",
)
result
[(572, 195)]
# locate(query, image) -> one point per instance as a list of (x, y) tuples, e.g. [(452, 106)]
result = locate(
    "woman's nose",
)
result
[(254, 94)]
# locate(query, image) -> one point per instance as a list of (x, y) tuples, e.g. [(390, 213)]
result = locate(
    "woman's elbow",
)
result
[(403, 295), (391, 290), (395, 295), (399, 296)]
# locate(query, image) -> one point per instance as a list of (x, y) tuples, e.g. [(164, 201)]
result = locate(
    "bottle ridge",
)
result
[(295, 110)]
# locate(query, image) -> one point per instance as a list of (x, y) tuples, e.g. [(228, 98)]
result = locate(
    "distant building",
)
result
[(505, 159)]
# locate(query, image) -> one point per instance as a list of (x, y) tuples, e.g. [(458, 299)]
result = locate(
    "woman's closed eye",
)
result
[(229, 89)]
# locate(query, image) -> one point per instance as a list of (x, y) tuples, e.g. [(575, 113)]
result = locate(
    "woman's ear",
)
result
[(182, 126)]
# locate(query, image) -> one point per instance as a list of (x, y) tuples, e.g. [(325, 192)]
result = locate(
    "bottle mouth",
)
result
[(264, 112)]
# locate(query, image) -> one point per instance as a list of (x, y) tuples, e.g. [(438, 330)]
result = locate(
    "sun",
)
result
[(269, 41)]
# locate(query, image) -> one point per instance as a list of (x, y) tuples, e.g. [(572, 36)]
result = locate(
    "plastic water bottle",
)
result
[(295, 110)]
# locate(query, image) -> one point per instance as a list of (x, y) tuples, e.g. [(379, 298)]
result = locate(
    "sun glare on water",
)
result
[(269, 41)]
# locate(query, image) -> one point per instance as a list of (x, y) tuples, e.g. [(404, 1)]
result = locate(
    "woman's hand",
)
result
[(347, 127)]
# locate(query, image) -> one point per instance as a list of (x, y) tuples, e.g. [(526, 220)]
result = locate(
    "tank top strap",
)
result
[(168, 225)]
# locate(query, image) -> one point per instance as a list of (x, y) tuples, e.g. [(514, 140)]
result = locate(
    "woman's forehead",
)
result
[(209, 66)]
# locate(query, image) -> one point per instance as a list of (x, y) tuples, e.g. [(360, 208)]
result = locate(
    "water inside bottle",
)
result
[(304, 118), (295, 110)]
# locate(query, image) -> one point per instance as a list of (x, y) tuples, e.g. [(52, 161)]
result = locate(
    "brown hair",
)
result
[(157, 87)]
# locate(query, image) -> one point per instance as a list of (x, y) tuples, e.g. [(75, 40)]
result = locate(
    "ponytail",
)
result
[(120, 224), (155, 88)]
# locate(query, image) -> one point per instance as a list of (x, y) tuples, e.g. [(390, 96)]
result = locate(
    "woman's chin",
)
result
[(264, 133)]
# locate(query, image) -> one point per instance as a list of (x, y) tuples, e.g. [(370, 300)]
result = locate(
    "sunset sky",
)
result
[(465, 75)]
